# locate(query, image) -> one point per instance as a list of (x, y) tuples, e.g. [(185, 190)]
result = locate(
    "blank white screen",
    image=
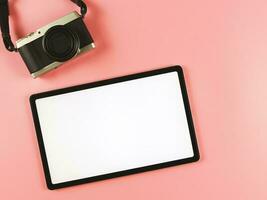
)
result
[(114, 127)]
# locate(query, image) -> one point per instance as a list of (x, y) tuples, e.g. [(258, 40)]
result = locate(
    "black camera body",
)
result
[(55, 43)]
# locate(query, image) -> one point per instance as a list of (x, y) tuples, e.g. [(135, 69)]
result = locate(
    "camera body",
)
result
[(55, 43)]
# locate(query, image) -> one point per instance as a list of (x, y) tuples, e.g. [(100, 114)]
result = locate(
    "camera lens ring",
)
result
[(60, 43)]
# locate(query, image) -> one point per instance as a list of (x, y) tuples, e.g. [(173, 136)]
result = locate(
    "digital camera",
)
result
[(55, 43), (51, 45)]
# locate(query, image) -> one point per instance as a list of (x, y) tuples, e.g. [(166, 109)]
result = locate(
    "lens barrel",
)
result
[(60, 43)]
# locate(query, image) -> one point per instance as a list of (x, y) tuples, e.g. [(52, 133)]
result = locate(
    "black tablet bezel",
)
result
[(177, 69)]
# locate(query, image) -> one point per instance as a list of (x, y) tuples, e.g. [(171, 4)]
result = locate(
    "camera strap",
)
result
[(4, 21), (82, 5), (4, 25)]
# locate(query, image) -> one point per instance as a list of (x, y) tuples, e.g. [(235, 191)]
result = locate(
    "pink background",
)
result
[(222, 47)]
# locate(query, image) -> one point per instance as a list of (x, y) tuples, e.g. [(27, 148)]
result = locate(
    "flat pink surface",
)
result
[(222, 46)]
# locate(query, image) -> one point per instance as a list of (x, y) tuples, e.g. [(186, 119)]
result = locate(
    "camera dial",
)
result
[(60, 43)]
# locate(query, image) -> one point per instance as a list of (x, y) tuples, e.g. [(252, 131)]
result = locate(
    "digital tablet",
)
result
[(114, 127)]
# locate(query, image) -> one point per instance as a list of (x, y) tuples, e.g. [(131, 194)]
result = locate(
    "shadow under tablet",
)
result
[(114, 127)]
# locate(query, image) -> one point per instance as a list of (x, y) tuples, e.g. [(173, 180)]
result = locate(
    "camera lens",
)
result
[(60, 43)]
